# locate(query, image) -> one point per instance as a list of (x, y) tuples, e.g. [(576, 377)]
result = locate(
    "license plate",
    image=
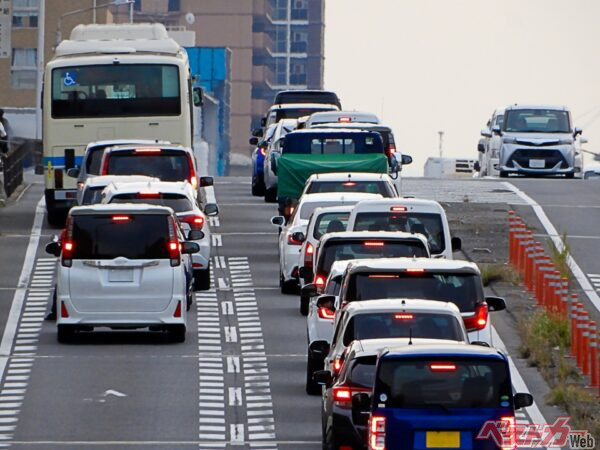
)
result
[(120, 275), (537, 163), (442, 439)]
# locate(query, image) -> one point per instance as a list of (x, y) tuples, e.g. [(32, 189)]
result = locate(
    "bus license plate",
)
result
[(537, 163), (442, 439)]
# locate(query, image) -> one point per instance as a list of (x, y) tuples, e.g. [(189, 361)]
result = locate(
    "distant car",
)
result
[(307, 96), (345, 117), (488, 152), (591, 172), (90, 164), (121, 268), (258, 158), (180, 197), (290, 245), (442, 395), (283, 127), (91, 193), (370, 183), (294, 111)]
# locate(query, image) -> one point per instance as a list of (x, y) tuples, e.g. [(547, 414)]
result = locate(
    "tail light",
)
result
[(195, 222), (325, 313), (263, 151), (336, 366), (345, 119), (292, 241), (148, 194), (349, 184), (343, 394), (120, 218), (508, 433), (308, 255), (174, 246), (398, 209), (80, 184), (177, 312), (374, 244), (390, 150), (377, 433), (479, 320), (64, 313), (193, 178), (415, 270), (104, 170), (68, 246), (320, 281), (147, 150), (442, 367), (403, 316)]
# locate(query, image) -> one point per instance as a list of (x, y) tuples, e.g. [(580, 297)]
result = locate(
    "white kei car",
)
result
[(344, 182), (91, 192), (290, 242)]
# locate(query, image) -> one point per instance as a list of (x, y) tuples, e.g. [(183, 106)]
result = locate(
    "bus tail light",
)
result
[(377, 433)]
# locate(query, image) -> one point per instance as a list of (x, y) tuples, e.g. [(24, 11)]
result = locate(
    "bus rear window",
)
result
[(115, 90), (167, 166)]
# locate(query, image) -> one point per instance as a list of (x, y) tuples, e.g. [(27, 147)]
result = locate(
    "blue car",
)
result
[(258, 157), (441, 396)]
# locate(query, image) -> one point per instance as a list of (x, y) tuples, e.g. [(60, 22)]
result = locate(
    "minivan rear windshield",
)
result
[(92, 163), (403, 325), (361, 372), (167, 165), (138, 236), (332, 222), (428, 224), (370, 187), (92, 195), (444, 383), (463, 289), (332, 144), (177, 202), (342, 250)]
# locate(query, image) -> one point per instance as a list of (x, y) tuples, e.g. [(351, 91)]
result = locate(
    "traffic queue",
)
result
[(399, 336)]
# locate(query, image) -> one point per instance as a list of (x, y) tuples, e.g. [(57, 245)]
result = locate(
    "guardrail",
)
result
[(551, 291), (13, 154)]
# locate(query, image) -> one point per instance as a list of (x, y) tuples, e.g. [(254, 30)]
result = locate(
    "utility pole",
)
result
[(40, 68), (441, 142)]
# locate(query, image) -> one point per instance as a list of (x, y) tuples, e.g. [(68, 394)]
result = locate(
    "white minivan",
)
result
[(121, 267)]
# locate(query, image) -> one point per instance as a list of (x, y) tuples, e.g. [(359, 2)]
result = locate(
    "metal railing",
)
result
[(13, 154)]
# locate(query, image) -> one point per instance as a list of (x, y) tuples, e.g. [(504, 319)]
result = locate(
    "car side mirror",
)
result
[(278, 221), (53, 248), (206, 181), (187, 248), (298, 236), (253, 141), (496, 130), (198, 96), (456, 244), (309, 290), (211, 209), (73, 172), (486, 133), (327, 302), (577, 131), (323, 378), (257, 132), (522, 400), (195, 235), (406, 160), (481, 147), (495, 303)]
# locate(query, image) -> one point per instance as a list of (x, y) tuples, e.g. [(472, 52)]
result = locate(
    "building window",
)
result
[(280, 71), (280, 38), (281, 9), (24, 68), (137, 5), (299, 41), (299, 10), (174, 5), (298, 72), (25, 13)]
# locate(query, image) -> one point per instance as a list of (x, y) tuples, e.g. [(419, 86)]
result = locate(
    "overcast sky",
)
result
[(430, 65)]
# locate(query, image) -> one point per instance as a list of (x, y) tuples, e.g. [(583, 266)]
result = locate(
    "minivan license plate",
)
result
[(442, 439), (537, 163), (120, 275)]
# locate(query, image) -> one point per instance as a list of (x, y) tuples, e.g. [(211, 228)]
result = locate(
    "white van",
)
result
[(412, 215)]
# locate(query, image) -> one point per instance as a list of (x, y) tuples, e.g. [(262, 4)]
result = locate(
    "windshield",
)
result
[(167, 166), (141, 236), (369, 187), (537, 121), (403, 325), (343, 250), (92, 195), (294, 113), (333, 222), (463, 289), (178, 203), (115, 90), (428, 224), (332, 144), (465, 383)]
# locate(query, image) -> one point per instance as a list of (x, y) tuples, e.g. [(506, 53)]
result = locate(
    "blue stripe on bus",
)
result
[(59, 161)]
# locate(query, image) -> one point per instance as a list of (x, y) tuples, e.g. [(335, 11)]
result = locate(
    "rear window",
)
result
[(294, 113), (92, 163), (428, 224), (403, 325), (369, 187), (92, 195), (167, 166), (307, 209), (361, 371), (443, 383), (343, 250), (332, 144), (178, 203), (141, 236), (331, 223), (463, 289)]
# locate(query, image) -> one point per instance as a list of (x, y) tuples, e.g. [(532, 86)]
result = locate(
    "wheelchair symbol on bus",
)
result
[(70, 79)]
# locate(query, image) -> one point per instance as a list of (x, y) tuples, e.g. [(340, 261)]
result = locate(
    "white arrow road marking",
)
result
[(114, 393)]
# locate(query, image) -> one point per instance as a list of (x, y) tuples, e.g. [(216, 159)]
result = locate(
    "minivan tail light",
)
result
[(508, 433), (68, 246), (404, 316), (174, 246), (105, 164), (147, 150), (320, 281), (193, 178), (479, 319), (374, 244), (148, 194), (120, 218), (377, 433), (325, 313), (336, 366), (195, 222), (308, 255), (64, 312), (177, 312), (292, 241), (398, 209), (442, 367), (390, 150)]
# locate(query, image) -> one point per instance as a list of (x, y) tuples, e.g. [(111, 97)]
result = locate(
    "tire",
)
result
[(177, 333), (271, 195), (189, 300), (65, 333), (55, 218), (570, 175), (329, 441), (288, 287), (503, 174), (202, 279), (312, 366), (304, 302), (258, 186)]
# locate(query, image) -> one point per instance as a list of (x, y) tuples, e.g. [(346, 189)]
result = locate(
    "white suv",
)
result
[(121, 267)]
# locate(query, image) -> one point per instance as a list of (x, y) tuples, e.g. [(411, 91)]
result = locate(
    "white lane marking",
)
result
[(222, 283), (213, 221), (235, 396), (226, 308), (230, 334), (237, 434), (233, 364), (217, 241), (558, 243)]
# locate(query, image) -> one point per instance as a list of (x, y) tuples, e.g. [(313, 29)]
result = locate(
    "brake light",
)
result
[(120, 218), (398, 209), (349, 184), (345, 119), (326, 313), (263, 151), (68, 245), (148, 194), (193, 178), (292, 241), (105, 164), (308, 255), (383, 276), (508, 433), (342, 394), (479, 319), (80, 184), (195, 222), (442, 367), (64, 312), (336, 365), (390, 150), (177, 312), (374, 244), (377, 433), (404, 316), (415, 270), (174, 246), (320, 281), (310, 249), (147, 150)]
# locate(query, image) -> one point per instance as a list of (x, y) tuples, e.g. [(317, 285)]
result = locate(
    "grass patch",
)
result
[(560, 258), (495, 273), (546, 339), (580, 404)]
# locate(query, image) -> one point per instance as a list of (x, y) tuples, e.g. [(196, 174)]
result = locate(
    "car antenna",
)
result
[(410, 336)]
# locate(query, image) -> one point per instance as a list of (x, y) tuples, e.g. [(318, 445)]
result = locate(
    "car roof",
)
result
[(376, 205), (437, 351), (373, 347), (338, 268), (366, 126), (347, 176), (278, 106), (165, 187), (118, 208), (355, 116), (402, 305), (332, 130), (330, 209), (117, 148), (397, 264), (105, 180), (113, 142), (337, 197), (533, 106)]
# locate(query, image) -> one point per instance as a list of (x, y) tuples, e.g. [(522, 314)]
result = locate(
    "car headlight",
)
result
[(567, 141), (509, 140)]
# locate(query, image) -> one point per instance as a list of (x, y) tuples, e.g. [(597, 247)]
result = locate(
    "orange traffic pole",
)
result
[(595, 365), (574, 314)]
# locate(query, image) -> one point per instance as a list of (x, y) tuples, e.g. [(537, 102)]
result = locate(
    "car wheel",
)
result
[(271, 195), (65, 333), (312, 366), (177, 333), (304, 301), (289, 287), (202, 279), (503, 174), (258, 187), (570, 175)]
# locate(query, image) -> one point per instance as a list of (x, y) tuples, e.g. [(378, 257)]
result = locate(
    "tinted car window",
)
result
[(463, 289), (141, 236), (92, 195), (330, 223), (92, 163), (403, 325), (369, 187), (178, 203), (167, 166), (334, 285), (361, 372), (428, 224), (537, 121), (332, 143), (414, 383), (295, 113)]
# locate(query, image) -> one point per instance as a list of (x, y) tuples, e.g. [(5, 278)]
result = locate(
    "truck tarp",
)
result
[(293, 169)]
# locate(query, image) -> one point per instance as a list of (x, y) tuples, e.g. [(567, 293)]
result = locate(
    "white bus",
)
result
[(111, 82)]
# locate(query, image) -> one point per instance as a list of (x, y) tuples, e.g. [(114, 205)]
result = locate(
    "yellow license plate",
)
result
[(442, 439)]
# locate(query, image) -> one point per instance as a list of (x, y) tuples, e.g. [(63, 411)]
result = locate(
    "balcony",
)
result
[(263, 41)]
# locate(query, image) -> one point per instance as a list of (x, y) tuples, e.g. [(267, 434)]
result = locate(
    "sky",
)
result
[(426, 66)]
